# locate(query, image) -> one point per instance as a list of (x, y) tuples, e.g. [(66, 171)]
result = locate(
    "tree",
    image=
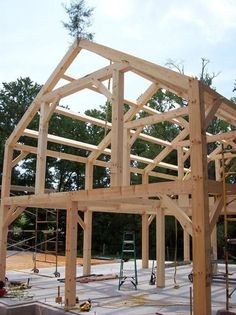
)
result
[(79, 19), (15, 98)]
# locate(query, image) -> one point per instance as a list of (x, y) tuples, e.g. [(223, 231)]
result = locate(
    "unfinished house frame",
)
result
[(188, 194)]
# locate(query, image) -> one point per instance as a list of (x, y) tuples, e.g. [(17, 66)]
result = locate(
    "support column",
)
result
[(214, 243), (71, 255), (117, 128), (145, 240), (160, 247), (87, 242), (6, 186), (200, 202), (89, 176), (186, 246), (41, 151), (126, 157), (183, 200)]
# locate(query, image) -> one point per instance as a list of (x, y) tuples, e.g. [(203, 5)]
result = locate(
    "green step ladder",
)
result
[(128, 252)]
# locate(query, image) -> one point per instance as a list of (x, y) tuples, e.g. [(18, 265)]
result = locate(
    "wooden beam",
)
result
[(48, 86), (200, 205), (165, 152), (19, 158), (84, 82), (155, 119), (87, 244), (100, 194), (186, 246), (215, 211), (160, 248), (41, 150), (71, 255), (152, 70), (180, 215), (117, 129), (12, 214), (82, 117), (89, 176), (211, 111), (145, 240)]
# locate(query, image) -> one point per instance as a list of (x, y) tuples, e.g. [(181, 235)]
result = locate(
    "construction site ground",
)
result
[(24, 260), (105, 297)]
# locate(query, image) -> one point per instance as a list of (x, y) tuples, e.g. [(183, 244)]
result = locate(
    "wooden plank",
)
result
[(71, 255), (200, 205), (117, 128)]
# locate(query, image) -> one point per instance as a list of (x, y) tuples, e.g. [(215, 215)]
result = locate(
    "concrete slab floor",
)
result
[(107, 299)]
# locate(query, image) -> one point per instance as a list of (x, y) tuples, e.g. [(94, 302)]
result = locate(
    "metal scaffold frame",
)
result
[(49, 227), (227, 218)]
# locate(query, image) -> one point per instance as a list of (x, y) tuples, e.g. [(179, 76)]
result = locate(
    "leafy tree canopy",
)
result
[(79, 19)]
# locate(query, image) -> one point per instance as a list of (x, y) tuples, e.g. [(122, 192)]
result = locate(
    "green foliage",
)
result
[(79, 19), (15, 98)]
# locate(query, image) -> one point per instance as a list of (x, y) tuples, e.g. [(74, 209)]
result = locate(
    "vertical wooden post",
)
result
[(160, 247), (41, 151), (183, 200), (214, 243), (5, 192), (145, 240), (200, 203), (126, 157), (218, 177), (89, 176), (71, 254), (87, 242), (186, 246), (117, 129)]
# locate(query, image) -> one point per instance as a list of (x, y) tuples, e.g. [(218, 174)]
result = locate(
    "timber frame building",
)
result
[(187, 193)]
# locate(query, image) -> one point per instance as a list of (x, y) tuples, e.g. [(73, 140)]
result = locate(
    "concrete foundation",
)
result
[(30, 309)]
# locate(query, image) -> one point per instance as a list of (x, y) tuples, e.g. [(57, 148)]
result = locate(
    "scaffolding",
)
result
[(228, 173), (46, 238)]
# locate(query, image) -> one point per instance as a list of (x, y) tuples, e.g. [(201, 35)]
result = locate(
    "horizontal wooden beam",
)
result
[(82, 83)]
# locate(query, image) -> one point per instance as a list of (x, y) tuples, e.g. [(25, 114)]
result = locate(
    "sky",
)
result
[(33, 39)]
